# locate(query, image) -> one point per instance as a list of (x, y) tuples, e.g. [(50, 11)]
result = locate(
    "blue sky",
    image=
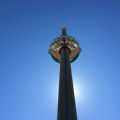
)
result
[(29, 76)]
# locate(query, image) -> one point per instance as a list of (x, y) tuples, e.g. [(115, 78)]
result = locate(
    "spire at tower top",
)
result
[(64, 31)]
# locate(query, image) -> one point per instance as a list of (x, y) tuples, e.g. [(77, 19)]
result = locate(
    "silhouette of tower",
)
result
[(64, 50)]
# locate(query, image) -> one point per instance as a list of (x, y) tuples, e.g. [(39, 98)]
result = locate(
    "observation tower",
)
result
[(64, 50)]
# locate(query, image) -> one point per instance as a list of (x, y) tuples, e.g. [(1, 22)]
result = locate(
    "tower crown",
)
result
[(70, 43)]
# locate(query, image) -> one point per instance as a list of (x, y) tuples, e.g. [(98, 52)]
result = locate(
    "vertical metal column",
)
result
[(66, 100)]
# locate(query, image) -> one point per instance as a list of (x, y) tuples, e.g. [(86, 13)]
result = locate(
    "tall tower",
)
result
[(65, 50)]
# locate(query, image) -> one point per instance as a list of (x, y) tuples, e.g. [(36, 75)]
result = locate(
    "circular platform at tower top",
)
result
[(70, 42)]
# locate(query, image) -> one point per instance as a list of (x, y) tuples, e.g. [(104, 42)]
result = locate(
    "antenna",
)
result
[(64, 31)]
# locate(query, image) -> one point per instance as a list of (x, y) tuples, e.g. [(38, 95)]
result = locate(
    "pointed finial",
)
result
[(64, 31)]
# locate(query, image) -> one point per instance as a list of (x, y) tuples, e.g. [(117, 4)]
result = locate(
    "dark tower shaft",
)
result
[(66, 101)]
